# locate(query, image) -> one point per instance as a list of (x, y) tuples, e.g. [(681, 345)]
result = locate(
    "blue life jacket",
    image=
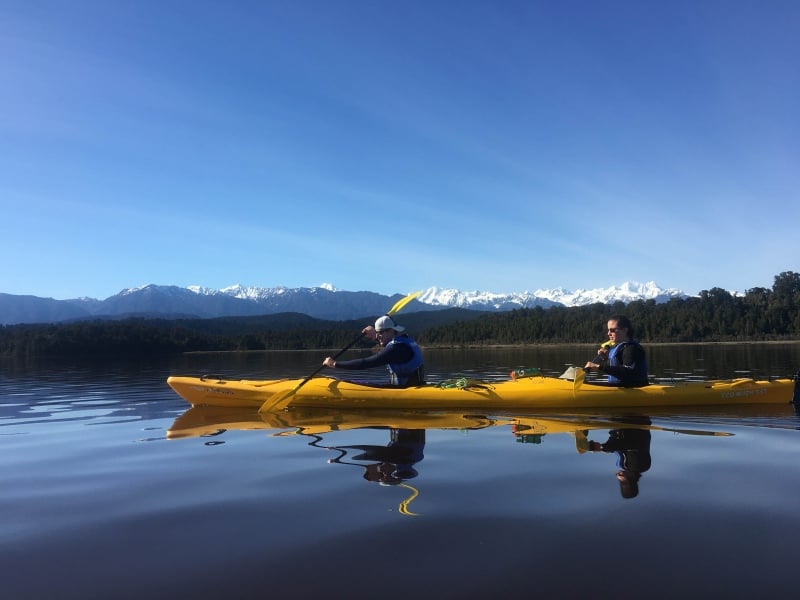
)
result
[(638, 372), (400, 373)]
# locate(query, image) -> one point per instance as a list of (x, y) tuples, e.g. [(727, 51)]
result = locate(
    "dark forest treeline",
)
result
[(715, 315), (141, 337)]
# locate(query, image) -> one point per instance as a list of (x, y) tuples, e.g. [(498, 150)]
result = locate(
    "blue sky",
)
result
[(391, 146)]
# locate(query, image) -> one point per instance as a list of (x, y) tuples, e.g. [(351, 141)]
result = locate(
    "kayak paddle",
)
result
[(580, 377), (281, 400), (607, 345)]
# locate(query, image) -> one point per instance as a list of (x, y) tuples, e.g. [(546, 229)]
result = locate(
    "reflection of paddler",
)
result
[(394, 462), (632, 446)]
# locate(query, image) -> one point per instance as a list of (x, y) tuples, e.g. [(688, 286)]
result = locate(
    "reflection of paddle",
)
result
[(690, 431), (579, 425), (625, 425), (281, 400), (403, 506)]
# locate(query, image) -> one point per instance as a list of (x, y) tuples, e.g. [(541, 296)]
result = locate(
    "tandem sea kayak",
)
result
[(525, 393)]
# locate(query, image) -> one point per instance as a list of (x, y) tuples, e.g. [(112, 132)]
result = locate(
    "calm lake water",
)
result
[(114, 488)]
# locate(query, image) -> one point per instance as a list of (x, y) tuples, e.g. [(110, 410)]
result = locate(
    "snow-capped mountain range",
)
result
[(322, 302), (627, 292), (450, 298)]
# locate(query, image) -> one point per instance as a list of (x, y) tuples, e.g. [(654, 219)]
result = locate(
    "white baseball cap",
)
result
[(385, 322)]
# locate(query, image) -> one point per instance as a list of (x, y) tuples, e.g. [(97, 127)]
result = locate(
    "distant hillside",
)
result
[(157, 301), (414, 321)]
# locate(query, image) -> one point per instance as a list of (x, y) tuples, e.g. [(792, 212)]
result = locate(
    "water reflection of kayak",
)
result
[(211, 420), (529, 392), (208, 420)]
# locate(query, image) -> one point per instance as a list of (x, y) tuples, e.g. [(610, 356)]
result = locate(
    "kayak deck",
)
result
[(530, 392)]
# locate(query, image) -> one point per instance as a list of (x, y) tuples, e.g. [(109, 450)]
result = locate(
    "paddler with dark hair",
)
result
[(401, 355), (625, 362)]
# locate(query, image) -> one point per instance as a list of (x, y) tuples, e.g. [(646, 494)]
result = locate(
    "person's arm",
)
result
[(602, 356), (394, 353), (610, 445)]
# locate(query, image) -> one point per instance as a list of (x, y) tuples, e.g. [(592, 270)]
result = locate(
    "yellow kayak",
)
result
[(526, 393)]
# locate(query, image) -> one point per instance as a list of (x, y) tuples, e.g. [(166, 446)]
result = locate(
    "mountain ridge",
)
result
[(321, 302)]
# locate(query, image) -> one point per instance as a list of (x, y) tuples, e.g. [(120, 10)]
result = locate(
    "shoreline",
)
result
[(510, 346)]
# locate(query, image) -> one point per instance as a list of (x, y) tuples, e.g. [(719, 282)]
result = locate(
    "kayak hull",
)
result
[(530, 392)]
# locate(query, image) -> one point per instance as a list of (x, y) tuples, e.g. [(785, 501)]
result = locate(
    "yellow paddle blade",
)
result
[(280, 401), (402, 302)]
